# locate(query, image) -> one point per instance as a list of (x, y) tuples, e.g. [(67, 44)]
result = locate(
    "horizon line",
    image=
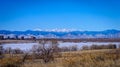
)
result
[(62, 29)]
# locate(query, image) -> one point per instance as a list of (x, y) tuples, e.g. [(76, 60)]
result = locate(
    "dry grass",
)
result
[(90, 58), (87, 58), (10, 62)]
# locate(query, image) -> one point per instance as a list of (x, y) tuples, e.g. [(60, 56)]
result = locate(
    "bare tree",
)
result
[(73, 48), (68, 48), (119, 46), (17, 51), (85, 47), (24, 57), (45, 50), (1, 52), (8, 50), (64, 49)]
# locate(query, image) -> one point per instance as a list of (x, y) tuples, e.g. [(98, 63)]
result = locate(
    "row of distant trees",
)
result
[(93, 47), (53, 46)]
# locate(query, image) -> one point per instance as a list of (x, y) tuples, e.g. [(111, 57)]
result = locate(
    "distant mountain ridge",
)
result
[(66, 34)]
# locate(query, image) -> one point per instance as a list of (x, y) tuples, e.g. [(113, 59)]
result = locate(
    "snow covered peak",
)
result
[(60, 30), (37, 29), (55, 30)]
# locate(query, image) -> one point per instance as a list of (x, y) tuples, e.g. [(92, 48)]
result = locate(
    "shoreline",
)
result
[(63, 40)]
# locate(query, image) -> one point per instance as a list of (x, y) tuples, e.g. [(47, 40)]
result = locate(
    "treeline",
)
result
[(82, 39), (94, 47), (37, 48)]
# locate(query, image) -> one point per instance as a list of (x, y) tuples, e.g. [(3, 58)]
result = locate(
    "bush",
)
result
[(9, 50), (70, 48), (119, 46), (85, 47), (1, 52), (109, 46), (94, 46), (45, 51)]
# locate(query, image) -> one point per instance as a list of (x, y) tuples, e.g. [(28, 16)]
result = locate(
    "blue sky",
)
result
[(49, 14)]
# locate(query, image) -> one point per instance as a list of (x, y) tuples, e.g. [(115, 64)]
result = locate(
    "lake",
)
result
[(27, 46)]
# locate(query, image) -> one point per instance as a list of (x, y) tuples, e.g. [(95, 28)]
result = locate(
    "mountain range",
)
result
[(65, 33)]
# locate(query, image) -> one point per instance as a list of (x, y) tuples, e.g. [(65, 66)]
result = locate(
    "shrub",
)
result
[(69, 48), (1, 52), (9, 50), (85, 47), (119, 46), (45, 50), (94, 46)]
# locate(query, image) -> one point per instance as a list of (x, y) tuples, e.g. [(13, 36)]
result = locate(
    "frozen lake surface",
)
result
[(27, 46)]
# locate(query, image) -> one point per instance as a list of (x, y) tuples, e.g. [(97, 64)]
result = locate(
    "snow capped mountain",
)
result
[(64, 33), (37, 29), (55, 30)]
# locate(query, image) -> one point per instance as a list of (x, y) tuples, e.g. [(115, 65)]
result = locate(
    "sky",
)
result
[(91, 15)]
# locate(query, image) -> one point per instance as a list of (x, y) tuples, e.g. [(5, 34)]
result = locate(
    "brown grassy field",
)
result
[(85, 58), (89, 58)]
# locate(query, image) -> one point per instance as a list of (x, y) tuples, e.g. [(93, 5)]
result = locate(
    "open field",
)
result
[(89, 58), (85, 58)]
